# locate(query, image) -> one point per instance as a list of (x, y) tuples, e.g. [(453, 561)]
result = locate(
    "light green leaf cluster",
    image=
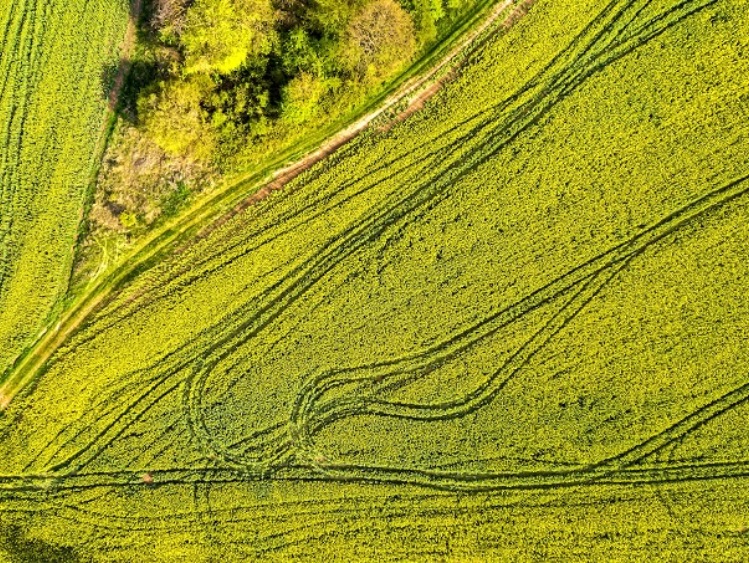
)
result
[(175, 119), (220, 35)]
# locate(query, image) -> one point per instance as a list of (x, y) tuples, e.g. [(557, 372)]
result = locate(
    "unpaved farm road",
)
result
[(233, 198)]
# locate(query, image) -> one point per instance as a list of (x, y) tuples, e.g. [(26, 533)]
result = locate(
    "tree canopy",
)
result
[(235, 70), (379, 39), (220, 35)]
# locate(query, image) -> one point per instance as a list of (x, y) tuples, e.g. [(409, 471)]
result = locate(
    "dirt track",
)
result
[(128, 44)]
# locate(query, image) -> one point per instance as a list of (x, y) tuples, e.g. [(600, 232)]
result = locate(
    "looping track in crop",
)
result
[(614, 33), (286, 447), (509, 323), (189, 385)]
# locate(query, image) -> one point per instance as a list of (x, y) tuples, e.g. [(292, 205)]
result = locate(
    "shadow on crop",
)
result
[(21, 549), (122, 81)]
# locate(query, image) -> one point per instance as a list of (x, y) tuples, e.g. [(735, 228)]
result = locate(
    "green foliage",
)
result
[(245, 65), (331, 16), (176, 119), (131, 222), (217, 87), (301, 98), (176, 200), (379, 39), (301, 55), (220, 35), (426, 23)]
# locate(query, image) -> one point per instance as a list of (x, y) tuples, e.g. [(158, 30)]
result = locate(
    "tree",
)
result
[(302, 96), (175, 119), (220, 35), (331, 16), (379, 39), (299, 54), (169, 19)]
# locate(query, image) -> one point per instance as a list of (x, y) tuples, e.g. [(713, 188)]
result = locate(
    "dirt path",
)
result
[(415, 92), (409, 89), (128, 44), (418, 101)]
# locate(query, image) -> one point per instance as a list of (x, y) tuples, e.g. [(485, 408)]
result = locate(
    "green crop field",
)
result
[(511, 327), (52, 112)]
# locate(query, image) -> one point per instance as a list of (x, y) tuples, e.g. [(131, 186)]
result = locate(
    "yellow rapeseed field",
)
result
[(55, 58), (511, 327)]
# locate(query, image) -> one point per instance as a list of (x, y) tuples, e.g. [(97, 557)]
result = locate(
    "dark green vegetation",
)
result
[(15, 545), (510, 327)]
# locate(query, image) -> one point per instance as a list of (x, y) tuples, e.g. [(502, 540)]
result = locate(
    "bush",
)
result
[(379, 39), (220, 35), (175, 119)]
